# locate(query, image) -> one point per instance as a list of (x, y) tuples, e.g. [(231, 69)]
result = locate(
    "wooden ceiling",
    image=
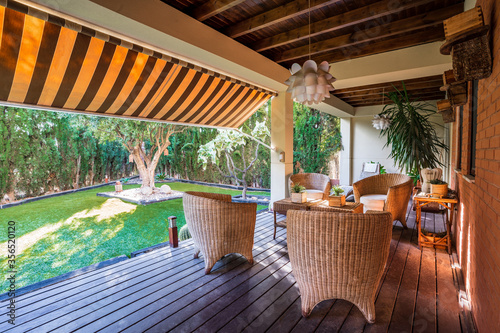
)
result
[(339, 29), (424, 89)]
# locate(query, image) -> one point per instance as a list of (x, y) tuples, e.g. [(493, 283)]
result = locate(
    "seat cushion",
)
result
[(314, 194), (373, 202)]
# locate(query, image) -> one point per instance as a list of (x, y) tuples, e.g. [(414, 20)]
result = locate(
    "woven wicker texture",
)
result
[(338, 256), (397, 187), (311, 181), (219, 227), (355, 208)]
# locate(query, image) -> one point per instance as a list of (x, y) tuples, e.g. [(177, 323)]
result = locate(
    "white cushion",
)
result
[(373, 202), (314, 194)]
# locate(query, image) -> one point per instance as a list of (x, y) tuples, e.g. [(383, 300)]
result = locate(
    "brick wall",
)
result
[(477, 232)]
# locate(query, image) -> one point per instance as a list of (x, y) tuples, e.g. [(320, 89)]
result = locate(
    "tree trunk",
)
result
[(78, 163)]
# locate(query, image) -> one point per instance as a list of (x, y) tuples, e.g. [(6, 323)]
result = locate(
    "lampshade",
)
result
[(381, 122), (310, 83)]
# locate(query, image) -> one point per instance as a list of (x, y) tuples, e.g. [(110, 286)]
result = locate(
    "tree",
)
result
[(227, 152), (145, 141), (316, 138)]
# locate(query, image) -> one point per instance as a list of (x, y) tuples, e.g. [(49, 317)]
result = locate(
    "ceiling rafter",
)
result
[(213, 7), (348, 19), (276, 15), (375, 47), (425, 88), (394, 28)]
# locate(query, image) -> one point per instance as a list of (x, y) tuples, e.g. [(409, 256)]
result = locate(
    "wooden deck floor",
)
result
[(167, 290)]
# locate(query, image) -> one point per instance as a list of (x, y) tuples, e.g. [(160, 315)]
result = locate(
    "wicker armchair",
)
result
[(338, 256), (388, 192), (317, 185), (219, 226)]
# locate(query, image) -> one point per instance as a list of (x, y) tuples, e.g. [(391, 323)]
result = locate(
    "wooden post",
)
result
[(173, 238)]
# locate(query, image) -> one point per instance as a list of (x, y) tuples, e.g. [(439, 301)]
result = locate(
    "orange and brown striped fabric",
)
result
[(47, 61)]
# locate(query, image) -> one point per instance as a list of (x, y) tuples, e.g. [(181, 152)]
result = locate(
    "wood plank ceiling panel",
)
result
[(426, 88), (280, 29)]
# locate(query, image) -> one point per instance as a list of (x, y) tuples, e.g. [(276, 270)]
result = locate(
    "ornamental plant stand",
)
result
[(430, 239)]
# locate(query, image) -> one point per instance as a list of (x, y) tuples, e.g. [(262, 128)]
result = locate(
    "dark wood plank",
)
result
[(341, 21), (425, 308), (372, 34), (391, 44), (213, 7), (250, 310), (287, 321), (311, 323), (158, 277), (276, 15), (448, 310), (270, 315)]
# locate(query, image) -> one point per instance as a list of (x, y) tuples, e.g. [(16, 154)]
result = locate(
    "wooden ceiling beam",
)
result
[(371, 12), (276, 15), (394, 28), (413, 94), (213, 7), (352, 52), (380, 102), (386, 89), (408, 82)]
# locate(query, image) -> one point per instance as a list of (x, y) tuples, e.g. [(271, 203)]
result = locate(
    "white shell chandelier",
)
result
[(310, 83), (381, 122)]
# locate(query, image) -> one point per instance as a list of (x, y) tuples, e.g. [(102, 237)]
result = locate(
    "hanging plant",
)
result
[(412, 136)]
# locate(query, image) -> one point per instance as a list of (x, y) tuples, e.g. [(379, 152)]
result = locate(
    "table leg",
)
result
[(418, 213), (448, 225), (274, 235)]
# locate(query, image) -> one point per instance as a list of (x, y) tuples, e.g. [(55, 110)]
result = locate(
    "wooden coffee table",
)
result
[(284, 205)]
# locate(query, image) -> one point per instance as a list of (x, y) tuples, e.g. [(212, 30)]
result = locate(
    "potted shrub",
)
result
[(411, 134), (298, 193), (439, 188), (337, 199)]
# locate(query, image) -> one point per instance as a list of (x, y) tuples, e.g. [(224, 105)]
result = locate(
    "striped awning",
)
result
[(50, 62)]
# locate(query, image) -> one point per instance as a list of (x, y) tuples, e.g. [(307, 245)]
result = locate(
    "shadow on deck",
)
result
[(167, 290)]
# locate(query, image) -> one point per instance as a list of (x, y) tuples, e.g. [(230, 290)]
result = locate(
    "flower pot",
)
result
[(336, 200), (439, 190), (118, 187), (299, 197)]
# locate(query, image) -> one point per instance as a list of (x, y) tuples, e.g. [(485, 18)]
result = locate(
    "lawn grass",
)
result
[(60, 234)]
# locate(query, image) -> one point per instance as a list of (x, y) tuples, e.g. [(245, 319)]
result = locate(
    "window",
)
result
[(473, 128)]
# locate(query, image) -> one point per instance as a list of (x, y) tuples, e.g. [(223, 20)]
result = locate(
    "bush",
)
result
[(184, 233)]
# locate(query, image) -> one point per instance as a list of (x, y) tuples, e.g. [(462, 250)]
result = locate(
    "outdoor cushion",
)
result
[(314, 194), (373, 202)]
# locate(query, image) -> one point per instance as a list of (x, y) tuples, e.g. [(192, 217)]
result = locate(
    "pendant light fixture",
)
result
[(310, 83)]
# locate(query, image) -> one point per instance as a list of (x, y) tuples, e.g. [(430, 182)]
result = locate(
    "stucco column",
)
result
[(282, 140), (346, 154)]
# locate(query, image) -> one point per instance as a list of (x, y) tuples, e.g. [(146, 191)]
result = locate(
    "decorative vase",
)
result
[(427, 175), (118, 187), (439, 190), (299, 197), (336, 200)]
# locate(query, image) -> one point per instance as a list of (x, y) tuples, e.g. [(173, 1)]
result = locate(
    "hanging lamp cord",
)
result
[(309, 4)]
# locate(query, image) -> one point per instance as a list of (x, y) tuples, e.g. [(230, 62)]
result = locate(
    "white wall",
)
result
[(367, 145)]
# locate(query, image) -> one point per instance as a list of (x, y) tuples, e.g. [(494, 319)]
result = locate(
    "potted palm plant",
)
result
[(337, 199), (298, 193), (411, 135)]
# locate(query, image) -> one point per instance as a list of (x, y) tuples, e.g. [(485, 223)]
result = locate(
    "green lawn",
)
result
[(61, 234)]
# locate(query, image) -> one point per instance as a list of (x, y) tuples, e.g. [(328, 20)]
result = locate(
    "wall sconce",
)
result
[(282, 157)]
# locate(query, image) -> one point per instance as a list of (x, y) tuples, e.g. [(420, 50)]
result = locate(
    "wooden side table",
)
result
[(432, 241), (349, 207), (283, 205)]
